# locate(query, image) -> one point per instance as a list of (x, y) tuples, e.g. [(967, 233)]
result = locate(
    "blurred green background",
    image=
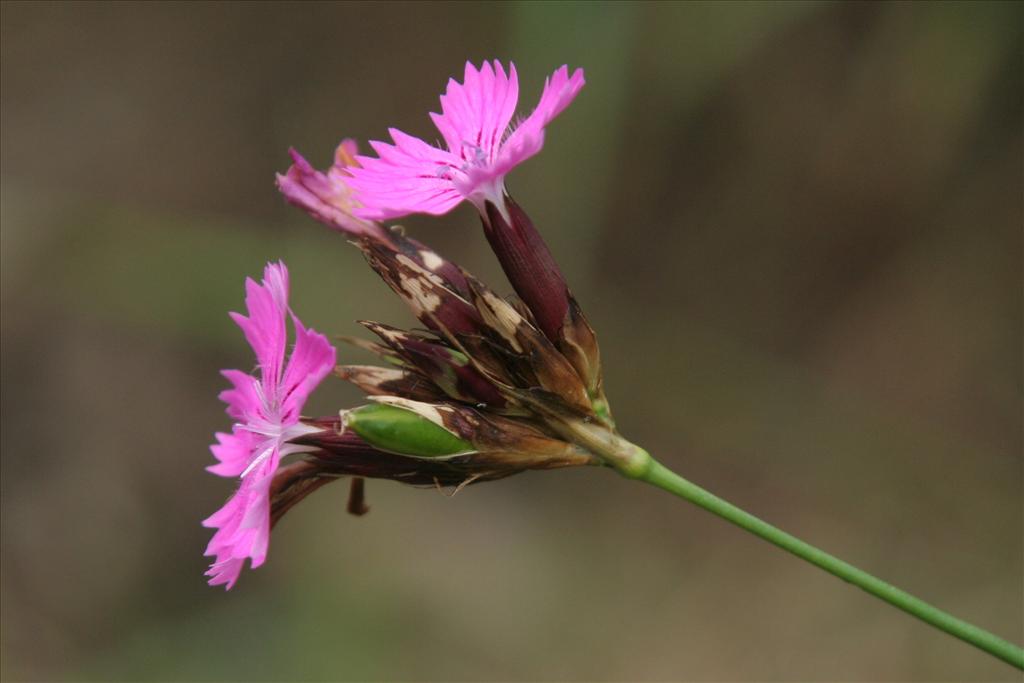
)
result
[(796, 227)]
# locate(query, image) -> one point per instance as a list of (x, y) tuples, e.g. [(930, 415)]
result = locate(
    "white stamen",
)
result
[(259, 458)]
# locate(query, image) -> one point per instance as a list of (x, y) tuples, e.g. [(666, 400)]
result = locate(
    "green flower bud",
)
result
[(402, 431)]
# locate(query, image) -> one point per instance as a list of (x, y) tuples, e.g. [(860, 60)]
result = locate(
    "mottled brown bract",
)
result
[(377, 381), (505, 448), (495, 373), (449, 273), (382, 352), (342, 453), (435, 300), (533, 362), (500, 441), (579, 344), (449, 369), (485, 350)]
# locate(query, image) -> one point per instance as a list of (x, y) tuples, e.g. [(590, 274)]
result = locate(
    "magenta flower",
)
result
[(413, 177), (266, 409), (325, 195)]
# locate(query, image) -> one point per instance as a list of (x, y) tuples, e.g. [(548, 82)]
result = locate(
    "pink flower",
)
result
[(266, 408), (325, 196), (413, 177)]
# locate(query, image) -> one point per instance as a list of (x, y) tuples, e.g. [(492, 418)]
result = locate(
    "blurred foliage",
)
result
[(796, 227)]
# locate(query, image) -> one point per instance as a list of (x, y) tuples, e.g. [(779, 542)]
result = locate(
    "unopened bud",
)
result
[(404, 432), (537, 279), (529, 266)]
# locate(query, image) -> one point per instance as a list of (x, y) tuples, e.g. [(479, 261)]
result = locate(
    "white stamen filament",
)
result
[(260, 458)]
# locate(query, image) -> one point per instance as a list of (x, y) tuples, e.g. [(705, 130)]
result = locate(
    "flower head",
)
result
[(266, 408), (410, 176)]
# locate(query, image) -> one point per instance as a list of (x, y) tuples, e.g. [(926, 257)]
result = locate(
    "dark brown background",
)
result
[(797, 228)]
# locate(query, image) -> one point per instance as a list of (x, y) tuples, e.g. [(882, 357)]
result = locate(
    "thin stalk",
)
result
[(656, 474)]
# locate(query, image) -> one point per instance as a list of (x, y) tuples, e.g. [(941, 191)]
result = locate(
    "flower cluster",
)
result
[(493, 387)]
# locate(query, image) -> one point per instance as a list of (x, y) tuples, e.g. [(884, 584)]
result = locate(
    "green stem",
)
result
[(656, 474)]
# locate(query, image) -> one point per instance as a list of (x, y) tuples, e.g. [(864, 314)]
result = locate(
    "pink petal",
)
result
[(528, 138), (225, 571), (275, 280), (243, 398), (234, 451), (409, 177), (243, 526), (264, 327), (311, 361), (474, 115), (414, 152)]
